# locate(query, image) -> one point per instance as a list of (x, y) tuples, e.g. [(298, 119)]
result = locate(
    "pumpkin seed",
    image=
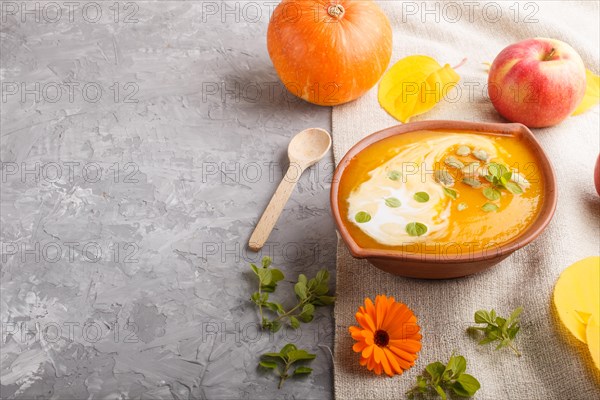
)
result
[(471, 182), (481, 155), (463, 151), (444, 177), (454, 162), (461, 206)]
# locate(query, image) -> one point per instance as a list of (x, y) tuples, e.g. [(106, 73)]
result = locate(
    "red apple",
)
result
[(538, 82), (597, 175)]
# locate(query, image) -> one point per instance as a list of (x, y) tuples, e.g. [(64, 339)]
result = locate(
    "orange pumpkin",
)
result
[(329, 52)]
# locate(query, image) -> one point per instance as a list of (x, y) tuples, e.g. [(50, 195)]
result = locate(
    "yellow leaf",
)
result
[(592, 93), (414, 85)]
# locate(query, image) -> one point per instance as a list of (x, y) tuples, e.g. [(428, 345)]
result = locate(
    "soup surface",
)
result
[(460, 190)]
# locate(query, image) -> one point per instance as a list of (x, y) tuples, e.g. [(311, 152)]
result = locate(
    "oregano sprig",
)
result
[(497, 328), (439, 378), (501, 178), (310, 293), (286, 358)]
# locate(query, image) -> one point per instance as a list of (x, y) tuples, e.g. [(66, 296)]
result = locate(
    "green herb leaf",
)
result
[(276, 275), (275, 326), (324, 300), (421, 197), (491, 193), (272, 355), (513, 187), (300, 290), (440, 391), (440, 378), (489, 207), (287, 348), (264, 275), (268, 364), (309, 294), (435, 369), (494, 170), (482, 317), (456, 366), (294, 322), (362, 217), (276, 307), (450, 193), (299, 355), (498, 329), (394, 175), (392, 202), (266, 262), (322, 276), (285, 360), (416, 229), (307, 313), (302, 371), (466, 385)]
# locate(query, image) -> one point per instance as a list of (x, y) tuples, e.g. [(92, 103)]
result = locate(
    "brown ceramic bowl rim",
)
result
[(532, 232)]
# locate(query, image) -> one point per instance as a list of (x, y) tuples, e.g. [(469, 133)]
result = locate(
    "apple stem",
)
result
[(460, 64), (549, 56)]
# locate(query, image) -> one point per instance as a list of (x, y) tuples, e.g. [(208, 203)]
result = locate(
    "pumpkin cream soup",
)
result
[(463, 190)]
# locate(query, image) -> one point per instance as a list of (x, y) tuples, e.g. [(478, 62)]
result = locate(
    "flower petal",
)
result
[(381, 308), (385, 363), (377, 354), (378, 369), (368, 351), (370, 364), (393, 361), (358, 347), (370, 309)]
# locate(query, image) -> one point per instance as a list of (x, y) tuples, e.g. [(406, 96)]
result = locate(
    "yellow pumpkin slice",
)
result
[(577, 295), (593, 339), (592, 93), (414, 85)]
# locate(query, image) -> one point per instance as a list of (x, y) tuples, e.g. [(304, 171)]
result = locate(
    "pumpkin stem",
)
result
[(336, 11), (460, 64)]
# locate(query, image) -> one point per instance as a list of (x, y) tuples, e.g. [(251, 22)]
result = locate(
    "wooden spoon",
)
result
[(305, 149)]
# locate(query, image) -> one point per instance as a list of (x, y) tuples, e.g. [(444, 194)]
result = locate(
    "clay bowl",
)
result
[(436, 266)]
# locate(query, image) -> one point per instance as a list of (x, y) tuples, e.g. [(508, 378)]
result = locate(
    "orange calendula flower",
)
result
[(388, 337)]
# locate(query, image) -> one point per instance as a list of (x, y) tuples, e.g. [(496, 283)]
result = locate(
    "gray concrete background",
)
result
[(141, 141)]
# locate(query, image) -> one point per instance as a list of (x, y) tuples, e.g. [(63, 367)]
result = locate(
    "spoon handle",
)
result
[(271, 214)]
